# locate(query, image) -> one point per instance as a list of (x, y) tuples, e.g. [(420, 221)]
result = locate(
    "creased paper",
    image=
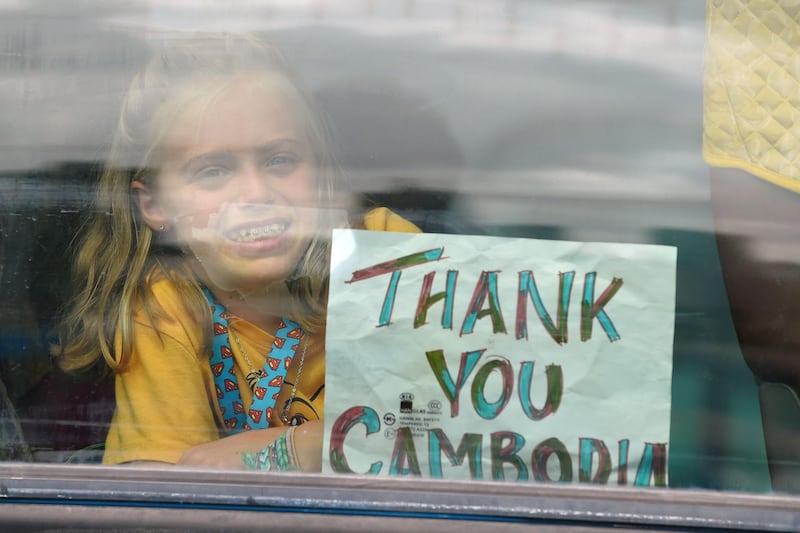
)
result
[(472, 357)]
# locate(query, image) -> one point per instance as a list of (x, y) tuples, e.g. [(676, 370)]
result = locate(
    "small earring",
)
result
[(162, 227)]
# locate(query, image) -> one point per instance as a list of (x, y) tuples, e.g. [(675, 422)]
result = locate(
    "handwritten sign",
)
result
[(463, 357)]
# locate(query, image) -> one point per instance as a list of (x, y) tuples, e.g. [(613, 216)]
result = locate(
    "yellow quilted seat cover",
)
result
[(751, 116)]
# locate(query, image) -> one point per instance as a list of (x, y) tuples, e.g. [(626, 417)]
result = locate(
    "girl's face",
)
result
[(237, 187)]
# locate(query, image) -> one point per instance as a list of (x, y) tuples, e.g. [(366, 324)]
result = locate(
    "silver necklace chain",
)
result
[(254, 375), (285, 412)]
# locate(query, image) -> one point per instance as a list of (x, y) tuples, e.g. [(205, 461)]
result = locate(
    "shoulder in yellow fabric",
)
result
[(751, 117)]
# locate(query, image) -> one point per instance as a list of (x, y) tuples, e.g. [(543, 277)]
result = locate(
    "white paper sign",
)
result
[(492, 358)]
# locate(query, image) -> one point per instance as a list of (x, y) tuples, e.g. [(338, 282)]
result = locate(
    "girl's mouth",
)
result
[(257, 232)]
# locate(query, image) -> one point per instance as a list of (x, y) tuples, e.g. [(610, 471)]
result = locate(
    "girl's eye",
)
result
[(210, 172), (281, 164)]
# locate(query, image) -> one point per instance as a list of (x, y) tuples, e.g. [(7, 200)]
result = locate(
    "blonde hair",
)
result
[(118, 252)]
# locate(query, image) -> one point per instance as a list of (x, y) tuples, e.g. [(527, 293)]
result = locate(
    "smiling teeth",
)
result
[(256, 233)]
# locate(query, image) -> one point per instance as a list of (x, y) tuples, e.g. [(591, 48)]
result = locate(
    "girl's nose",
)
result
[(254, 185)]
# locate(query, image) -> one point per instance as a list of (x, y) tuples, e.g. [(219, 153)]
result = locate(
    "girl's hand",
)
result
[(308, 445), (227, 453)]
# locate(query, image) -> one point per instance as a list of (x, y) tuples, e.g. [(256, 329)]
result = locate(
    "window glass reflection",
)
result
[(576, 121)]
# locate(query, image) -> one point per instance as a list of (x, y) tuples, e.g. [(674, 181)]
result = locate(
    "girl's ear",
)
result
[(149, 206)]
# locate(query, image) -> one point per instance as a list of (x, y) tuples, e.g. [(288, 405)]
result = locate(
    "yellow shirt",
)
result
[(165, 397)]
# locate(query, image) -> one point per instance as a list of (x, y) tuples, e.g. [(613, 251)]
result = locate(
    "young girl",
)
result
[(202, 273)]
